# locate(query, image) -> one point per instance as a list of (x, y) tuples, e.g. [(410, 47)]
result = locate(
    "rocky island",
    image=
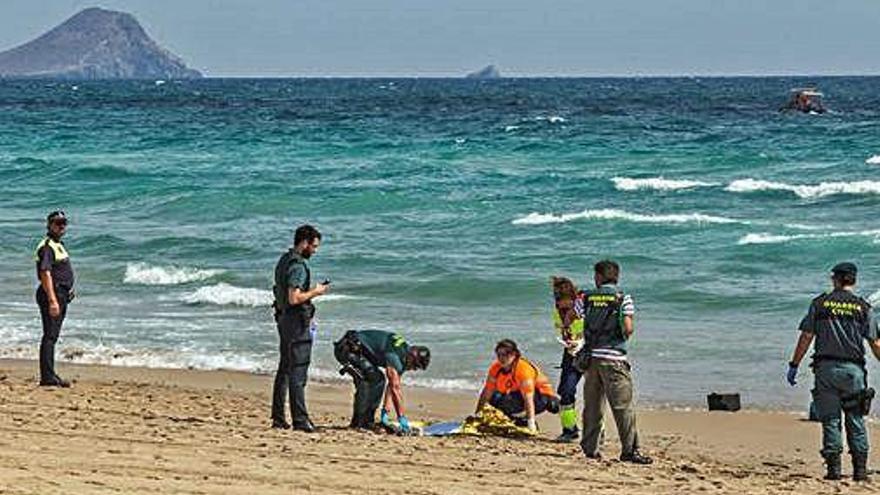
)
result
[(488, 72), (94, 44)]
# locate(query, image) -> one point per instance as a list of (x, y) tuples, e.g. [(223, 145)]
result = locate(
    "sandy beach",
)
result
[(131, 430)]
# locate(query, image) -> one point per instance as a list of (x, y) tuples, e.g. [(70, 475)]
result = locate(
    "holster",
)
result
[(859, 402), (345, 349), (581, 360)]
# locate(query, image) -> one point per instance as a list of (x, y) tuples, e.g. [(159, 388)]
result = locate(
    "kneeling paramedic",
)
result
[(517, 387), (376, 360), (838, 322)]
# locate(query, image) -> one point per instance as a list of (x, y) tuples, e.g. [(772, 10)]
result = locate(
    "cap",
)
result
[(56, 216), (421, 357), (845, 268)]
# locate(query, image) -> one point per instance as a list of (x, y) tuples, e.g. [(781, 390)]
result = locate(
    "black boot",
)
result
[(832, 462), (860, 467)]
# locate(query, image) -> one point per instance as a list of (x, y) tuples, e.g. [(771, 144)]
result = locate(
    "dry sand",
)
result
[(130, 430)]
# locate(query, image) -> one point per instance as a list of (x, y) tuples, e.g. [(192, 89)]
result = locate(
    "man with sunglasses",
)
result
[(55, 274)]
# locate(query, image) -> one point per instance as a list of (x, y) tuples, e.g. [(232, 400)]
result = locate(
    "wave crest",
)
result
[(611, 214), (806, 191), (874, 160), (224, 294), (765, 238), (657, 183), (143, 274)]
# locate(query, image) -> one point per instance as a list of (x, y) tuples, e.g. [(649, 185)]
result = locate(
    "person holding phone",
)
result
[(294, 312)]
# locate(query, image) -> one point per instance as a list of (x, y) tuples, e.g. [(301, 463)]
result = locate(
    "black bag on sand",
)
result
[(724, 402)]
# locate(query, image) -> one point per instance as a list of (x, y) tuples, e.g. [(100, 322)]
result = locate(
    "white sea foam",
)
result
[(611, 214), (766, 238), (553, 119), (141, 273), (874, 160), (806, 191), (510, 128), (224, 294), (657, 183)]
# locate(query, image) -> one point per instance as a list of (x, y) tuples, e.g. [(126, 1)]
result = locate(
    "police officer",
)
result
[(376, 360), (55, 273), (608, 324), (293, 314), (839, 321)]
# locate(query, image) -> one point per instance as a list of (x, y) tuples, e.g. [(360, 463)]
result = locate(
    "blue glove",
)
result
[(791, 376), (404, 424), (383, 417)]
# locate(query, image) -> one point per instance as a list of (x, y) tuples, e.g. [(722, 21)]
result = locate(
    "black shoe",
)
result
[(57, 382), (307, 426), (832, 464), (280, 425), (595, 456), (569, 435), (636, 457), (860, 467)]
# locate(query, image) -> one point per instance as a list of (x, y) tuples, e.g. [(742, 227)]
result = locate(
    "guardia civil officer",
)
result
[(293, 314), (839, 321), (376, 360), (608, 324), (55, 273)]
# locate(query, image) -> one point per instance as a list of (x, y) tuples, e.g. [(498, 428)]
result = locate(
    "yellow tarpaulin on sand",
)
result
[(491, 421)]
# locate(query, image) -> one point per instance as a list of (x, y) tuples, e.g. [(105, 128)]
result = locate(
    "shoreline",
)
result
[(189, 431)]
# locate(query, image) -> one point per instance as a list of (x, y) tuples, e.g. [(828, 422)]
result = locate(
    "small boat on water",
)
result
[(805, 100)]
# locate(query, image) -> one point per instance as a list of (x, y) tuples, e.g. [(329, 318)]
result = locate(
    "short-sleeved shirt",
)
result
[(298, 274), (52, 256), (292, 271), (384, 349), (840, 321), (523, 377)]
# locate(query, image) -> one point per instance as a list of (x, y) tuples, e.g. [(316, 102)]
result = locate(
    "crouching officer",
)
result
[(839, 321), (293, 314), (376, 360), (55, 292)]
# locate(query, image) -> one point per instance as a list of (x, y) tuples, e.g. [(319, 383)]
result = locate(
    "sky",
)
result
[(521, 37)]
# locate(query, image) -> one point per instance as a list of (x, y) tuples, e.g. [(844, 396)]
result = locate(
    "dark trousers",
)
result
[(569, 378), (295, 354), (513, 404), (611, 381), (51, 331), (369, 386)]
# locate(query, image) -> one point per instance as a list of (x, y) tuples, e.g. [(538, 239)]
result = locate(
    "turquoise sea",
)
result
[(445, 205)]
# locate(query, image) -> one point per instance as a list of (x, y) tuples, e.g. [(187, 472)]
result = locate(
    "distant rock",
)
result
[(95, 44), (488, 72)]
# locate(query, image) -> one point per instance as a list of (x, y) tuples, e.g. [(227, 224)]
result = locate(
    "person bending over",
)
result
[(376, 360)]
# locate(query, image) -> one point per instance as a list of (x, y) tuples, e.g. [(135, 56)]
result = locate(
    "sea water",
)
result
[(445, 205)]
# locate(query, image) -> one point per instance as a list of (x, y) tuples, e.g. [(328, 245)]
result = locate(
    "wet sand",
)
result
[(132, 430)]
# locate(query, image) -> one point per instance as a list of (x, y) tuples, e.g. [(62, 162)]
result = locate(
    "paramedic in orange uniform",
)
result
[(517, 387)]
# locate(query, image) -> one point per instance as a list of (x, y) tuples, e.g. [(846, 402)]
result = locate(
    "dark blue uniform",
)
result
[(51, 255)]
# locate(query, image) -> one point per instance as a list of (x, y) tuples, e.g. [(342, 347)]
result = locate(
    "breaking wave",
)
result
[(224, 294), (765, 238), (806, 191), (611, 214), (143, 274), (874, 160), (657, 183)]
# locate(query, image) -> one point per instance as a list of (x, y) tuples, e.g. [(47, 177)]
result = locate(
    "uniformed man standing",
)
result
[(293, 314), (839, 321), (608, 324), (376, 360), (55, 292)]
